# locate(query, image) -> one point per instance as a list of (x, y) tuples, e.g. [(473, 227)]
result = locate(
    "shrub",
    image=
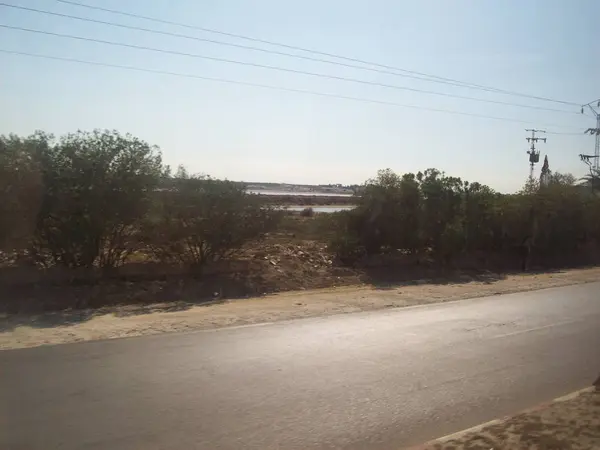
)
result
[(442, 213), (345, 243), (20, 190), (445, 217), (96, 187), (307, 212), (559, 212), (480, 224), (203, 220), (387, 214), (411, 213)]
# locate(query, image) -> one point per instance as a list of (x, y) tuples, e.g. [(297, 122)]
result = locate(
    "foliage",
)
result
[(20, 190), (480, 217), (385, 217), (592, 180), (346, 243), (413, 212), (565, 179), (442, 227), (307, 212), (96, 187), (92, 199), (319, 227), (203, 220), (443, 217)]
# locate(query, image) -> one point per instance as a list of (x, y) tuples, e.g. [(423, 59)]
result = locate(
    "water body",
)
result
[(321, 208), (303, 193)]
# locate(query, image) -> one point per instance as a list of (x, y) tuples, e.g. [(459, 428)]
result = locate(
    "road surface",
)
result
[(377, 380)]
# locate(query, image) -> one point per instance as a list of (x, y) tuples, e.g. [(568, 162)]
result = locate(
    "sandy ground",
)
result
[(570, 423), (18, 331)]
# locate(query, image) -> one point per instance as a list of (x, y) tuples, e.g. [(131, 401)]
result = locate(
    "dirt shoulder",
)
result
[(19, 330), (572, 422)]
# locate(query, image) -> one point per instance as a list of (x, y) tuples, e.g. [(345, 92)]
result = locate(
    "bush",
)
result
[(91, 199), (321, 227), (307, 212), (96, 188), (445, 217), (203, 220), (345, 242), (411, 213), (386, 216), (20, 190), (479, 217), (559, 211)]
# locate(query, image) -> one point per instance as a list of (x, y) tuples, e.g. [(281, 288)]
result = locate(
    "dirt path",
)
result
[(568, 423), (18, 331)]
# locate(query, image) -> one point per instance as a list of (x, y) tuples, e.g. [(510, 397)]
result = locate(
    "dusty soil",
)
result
[(570, 423), (275, 265), (30, 330)]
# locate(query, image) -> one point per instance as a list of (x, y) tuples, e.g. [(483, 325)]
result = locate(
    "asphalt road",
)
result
[(378, 380)]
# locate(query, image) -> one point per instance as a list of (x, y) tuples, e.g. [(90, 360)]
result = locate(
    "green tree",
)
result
[(410, 206), (560, 219), (387, 216), (592, 180), (551, 224), (20, 189), (97, 187), (442, 218), (479, 217), (203, 220), (565, 179)]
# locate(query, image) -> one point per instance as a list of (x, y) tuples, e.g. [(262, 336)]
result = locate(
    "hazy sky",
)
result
[(544, 48)]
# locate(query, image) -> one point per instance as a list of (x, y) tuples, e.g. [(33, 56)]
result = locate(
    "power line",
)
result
[(596, 112), (331, 55), (580, 133), (266, 86), (459, 84), (281, 69), (245, 47)]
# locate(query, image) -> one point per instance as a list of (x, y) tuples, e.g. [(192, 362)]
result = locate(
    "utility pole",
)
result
[(534, 156), (596, 112)]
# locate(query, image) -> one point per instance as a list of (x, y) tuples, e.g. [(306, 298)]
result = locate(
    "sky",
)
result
[(543, 48)]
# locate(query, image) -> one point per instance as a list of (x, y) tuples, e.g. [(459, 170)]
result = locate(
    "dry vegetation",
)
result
[(95, 219)]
